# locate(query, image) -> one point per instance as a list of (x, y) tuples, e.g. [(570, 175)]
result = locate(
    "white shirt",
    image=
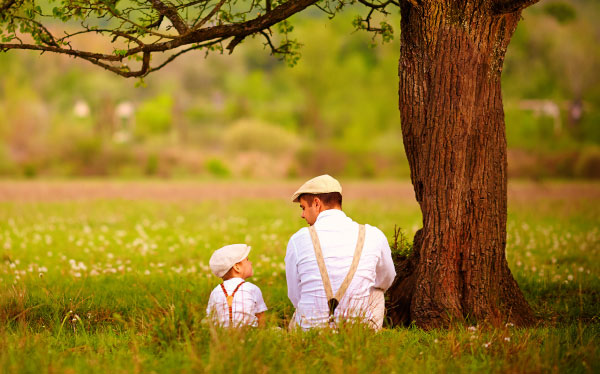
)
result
[(338, 235), (247, 302)]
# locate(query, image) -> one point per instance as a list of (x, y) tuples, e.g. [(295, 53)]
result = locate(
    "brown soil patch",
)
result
[(199, 191)]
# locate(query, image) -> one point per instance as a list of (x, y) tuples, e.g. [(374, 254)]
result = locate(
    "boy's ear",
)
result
[(236, 267)]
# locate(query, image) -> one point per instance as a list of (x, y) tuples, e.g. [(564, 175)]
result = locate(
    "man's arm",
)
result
[(291, 274), (385, 271)]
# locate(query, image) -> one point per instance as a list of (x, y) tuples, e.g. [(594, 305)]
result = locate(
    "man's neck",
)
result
[(324, 209)]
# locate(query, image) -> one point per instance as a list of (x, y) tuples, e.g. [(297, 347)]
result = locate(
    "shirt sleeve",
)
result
[(291, 273), (259, 305), (385, 272)]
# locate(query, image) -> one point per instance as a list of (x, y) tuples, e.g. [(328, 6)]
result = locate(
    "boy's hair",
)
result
[(328, 199), (228, 275)]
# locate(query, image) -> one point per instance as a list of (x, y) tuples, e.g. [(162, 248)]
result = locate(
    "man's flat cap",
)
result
[(321, 184)]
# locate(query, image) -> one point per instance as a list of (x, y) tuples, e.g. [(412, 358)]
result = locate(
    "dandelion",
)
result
[(580, 269), (507, 339), (570, 277), (486, 345), (472, 328)]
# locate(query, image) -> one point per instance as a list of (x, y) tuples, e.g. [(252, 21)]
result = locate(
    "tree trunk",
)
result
[(453, 130)]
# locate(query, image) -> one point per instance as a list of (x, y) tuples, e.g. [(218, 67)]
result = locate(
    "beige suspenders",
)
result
[(334, 300)]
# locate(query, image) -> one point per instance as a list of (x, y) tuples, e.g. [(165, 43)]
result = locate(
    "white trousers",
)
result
[(376, 304)]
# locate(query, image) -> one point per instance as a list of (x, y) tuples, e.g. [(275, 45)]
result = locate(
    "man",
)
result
[(356, 266)]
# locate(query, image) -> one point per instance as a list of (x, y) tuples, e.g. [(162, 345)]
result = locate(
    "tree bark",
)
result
[(453, 130)]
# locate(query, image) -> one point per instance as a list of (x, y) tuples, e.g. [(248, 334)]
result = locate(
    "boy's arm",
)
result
[(261, 318), (260, 307)]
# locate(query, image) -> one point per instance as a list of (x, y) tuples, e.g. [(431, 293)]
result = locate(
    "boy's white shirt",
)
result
[(338, 235), (247, 302)]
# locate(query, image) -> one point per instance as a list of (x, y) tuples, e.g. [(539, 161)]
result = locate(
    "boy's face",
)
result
[(245, 268)]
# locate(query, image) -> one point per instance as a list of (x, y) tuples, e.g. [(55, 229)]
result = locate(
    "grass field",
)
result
[(115, 283)]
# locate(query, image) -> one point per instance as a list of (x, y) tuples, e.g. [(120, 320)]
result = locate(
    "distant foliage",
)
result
[(335, 110), (563, 12), (154, 117), (217, 168)]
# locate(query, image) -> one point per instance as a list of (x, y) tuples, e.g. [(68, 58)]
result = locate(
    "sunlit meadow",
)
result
[(115, 285)]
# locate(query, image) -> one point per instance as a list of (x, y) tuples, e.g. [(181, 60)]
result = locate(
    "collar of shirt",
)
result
[(233, 281), (325, 215)]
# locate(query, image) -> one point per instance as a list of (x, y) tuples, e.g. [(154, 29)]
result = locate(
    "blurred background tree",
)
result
[(251, 115)]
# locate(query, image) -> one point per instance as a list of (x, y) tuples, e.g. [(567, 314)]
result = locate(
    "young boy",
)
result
[(235, 302)]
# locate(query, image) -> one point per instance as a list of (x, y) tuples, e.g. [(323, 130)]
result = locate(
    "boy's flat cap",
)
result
[(321, 184), (224, 258)]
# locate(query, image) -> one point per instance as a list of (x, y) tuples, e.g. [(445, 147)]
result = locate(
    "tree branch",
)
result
[(6, 5), (172, 15), (71, 52), (173, 57), (376, 6), (210, 15), (51, 41), (511, 6), (212, 35), (144, 69)]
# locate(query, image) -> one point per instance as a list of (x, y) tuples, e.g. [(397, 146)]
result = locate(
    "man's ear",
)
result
[(319, 205), (317, 202)]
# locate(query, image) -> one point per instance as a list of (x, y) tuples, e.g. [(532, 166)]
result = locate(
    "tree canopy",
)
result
[(139, 29)]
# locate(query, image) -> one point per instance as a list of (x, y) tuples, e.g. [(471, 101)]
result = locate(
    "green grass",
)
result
[(121, 286)]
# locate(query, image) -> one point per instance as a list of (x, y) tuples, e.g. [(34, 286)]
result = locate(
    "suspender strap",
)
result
[(333, 301), (230, 299)]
